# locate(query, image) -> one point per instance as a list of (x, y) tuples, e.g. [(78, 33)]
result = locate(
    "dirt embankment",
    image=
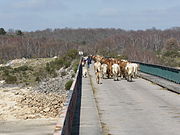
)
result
[(44, 100)]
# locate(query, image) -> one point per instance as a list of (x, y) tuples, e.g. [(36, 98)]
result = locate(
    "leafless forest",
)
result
[(150, 46)]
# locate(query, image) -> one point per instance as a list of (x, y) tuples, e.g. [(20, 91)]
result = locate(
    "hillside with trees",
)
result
[(150, 46)]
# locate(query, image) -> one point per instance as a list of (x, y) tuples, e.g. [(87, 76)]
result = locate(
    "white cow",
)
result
[(97, 70), (124, 60), (135, 70), (104, 68), (129, 71), (115, 71), (84, 71)]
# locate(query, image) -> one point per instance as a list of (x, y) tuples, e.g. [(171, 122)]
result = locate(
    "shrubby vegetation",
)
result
[(31, 75), (2, 31), (16, 75), (11, 79), (75, 65), (63, 61), (68, 84), (170, 55)]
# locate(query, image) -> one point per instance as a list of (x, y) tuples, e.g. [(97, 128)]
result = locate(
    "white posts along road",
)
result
[(136, 108)]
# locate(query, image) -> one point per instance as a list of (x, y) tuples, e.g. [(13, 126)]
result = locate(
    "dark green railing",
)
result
[(168, 73)]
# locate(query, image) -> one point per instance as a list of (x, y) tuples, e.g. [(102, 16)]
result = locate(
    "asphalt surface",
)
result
[(136, 108)]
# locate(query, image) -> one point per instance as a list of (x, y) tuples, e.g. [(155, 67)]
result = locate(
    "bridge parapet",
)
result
[(64, 124), (171, 74)]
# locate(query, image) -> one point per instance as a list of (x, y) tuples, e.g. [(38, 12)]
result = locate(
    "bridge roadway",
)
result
[(129, 108)]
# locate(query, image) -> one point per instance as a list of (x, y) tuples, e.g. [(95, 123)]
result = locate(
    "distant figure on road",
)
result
[(89, 61), (83, 62), (84, 71), (97, 70)]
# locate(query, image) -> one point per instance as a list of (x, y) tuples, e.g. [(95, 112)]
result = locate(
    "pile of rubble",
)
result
[(23, 103), (38, 105)]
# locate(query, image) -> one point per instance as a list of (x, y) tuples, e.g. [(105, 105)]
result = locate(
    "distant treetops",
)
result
[(17, 32), (2, 31)]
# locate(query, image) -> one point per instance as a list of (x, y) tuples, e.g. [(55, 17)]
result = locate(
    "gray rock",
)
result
[(47, 109)]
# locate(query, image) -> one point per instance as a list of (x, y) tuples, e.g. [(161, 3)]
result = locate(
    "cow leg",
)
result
[(128, 78), (135, 76), (96, 77), (97, 80), (108, 74), (103, 76), (131, 78), (119, 77)]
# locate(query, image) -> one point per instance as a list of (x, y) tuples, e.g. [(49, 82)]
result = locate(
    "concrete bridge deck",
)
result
[(127, 108)]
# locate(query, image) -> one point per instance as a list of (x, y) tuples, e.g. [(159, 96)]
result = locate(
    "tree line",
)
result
[(150, 46)]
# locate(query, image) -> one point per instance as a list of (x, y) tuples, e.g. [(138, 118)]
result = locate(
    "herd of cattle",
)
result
[(112, 67)]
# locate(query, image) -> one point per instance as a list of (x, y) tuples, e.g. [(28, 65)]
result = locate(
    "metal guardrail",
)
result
[(65, 122), (168, 73)]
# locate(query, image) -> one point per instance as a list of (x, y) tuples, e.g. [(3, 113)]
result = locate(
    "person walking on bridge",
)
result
[(88, 61)]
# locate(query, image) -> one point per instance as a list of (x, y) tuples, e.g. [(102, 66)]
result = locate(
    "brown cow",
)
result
[(109, 63), (122, 65)]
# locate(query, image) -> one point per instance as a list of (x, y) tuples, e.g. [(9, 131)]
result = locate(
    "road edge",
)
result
[(170, 86)]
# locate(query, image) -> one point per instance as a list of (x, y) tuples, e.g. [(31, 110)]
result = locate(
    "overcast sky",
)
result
[(31, 15)]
